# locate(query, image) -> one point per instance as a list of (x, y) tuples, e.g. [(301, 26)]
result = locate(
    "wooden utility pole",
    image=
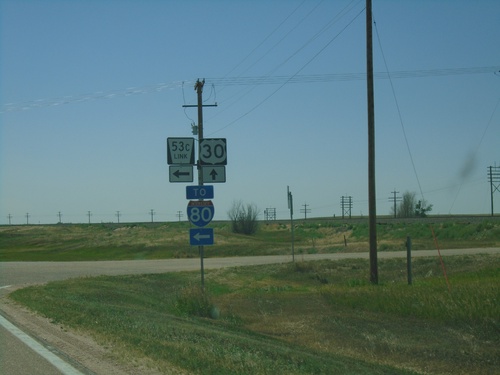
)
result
[(199, 91), (372, 202), (305, 210), (179, 215), (290, 207), (395, 198)]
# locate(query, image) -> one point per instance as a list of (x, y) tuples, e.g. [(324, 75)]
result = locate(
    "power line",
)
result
[(112, 94), (399, 113), (242, 81), (296, 73), (264, 40), (337, 17), (473, 156), (336, 77)]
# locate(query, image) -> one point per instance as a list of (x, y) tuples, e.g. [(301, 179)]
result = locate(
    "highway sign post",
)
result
[(212, 158)]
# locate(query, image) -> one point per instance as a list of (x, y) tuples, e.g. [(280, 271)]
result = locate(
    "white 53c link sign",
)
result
[(213, 151), (180, 151)]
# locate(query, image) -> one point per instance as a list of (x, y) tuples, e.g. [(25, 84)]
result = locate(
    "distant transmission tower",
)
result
[(118, 216), (346, 205), (9, 216), (270, 214), (152, 212), (494, 179)]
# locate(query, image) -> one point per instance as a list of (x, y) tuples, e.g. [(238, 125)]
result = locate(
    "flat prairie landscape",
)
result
[(302, 317)]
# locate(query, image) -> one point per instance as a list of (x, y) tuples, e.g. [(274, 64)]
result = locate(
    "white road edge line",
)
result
[(5, 286), (53, 359)]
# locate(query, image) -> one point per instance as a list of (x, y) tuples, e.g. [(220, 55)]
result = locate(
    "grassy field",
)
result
[(319, 317), (66, 242)]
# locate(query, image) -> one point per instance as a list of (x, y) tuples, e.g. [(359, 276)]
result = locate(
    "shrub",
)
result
[(243, 218)]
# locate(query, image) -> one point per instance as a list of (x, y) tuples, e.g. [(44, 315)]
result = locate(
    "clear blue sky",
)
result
[(90, 90)]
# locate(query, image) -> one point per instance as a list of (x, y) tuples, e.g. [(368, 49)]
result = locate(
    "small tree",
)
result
[(406, 207), (243, 218), (409, 207), (421, 208)]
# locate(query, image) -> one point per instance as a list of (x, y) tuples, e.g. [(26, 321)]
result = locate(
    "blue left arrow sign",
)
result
[(201, 236)]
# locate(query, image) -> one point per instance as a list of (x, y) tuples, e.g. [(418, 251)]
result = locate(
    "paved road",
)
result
[(13, 274), (20, 359)]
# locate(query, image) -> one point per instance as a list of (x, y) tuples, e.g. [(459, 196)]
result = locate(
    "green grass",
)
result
[(319, 317), (66, 242)]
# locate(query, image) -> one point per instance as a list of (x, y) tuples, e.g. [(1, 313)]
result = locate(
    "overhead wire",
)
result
[(283, 38), (212, 92), (399, 112), (240, 95), (240, 81), (348, 8), (313, 78), (294, 75), (266, 38), (112, 94), (184, 100), (473, 156)]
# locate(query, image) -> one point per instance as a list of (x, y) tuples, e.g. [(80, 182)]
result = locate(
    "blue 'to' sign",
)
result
[(200, 213), (200, 192)]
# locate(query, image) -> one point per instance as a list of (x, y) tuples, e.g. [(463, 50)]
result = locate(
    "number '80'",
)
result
[(203, 214)]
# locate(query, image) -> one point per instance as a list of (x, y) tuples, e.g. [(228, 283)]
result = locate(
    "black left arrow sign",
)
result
[(178, 173)]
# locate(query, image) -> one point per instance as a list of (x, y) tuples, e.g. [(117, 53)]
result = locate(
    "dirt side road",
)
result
[(80, 350)]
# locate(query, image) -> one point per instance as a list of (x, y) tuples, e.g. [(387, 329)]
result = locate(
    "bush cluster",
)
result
[(244, 218)]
